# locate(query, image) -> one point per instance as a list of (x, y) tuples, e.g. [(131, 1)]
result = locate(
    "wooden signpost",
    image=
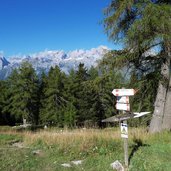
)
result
[(122, 99), (123, 106), (124, 135), (124, 92)]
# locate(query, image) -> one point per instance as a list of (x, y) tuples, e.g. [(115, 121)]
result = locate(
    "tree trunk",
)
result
[(156, 122), (167, 110), (162, 109)]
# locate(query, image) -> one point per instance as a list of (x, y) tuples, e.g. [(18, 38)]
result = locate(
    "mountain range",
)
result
[(42, 61)]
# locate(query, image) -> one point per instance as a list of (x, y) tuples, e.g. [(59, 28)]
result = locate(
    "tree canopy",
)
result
[(144, 29), (81, 98)]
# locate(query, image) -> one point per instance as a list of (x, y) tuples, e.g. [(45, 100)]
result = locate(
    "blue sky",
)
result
[(29, 26)]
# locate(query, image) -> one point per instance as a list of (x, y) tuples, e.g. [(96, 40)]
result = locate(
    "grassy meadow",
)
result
[(47, 150)]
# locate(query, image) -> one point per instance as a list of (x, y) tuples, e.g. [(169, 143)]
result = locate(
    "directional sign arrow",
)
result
[(125, 116), (118, 118), (137, 115), (123, 92)]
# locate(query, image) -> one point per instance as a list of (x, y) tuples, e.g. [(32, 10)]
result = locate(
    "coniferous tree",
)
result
[(23, 92), (93, 73), (54, 100), (2, 119), (42, 87), (5, 117), (79, 84), (70, 110), (83, 98)]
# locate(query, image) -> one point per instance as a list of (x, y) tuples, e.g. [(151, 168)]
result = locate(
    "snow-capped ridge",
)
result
[(50, 58)]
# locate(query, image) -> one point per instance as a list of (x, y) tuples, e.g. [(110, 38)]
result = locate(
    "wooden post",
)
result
[(126, 148), (125, 145)]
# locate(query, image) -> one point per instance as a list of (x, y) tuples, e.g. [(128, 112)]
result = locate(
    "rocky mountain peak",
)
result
[(50, 58)]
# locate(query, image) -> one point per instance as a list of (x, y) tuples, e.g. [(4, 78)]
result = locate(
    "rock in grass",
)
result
[(37, 152), (18, 145), (77, 162), (117, 165), (66, 165)]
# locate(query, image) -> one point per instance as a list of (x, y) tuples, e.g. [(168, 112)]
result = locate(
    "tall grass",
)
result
[(82, 139), (67, 136)]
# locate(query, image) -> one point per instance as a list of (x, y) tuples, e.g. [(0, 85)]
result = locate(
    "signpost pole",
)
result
[(123, 105), (126, 148)]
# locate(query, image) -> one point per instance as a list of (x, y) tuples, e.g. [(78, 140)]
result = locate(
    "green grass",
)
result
[(7, 139), (155, 155), (97, 148)]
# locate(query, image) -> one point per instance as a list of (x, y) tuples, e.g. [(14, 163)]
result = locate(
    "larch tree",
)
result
[(144, 29)]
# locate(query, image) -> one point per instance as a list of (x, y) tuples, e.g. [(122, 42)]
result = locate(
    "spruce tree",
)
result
[(5, 117), (79, 83), (23, 89), (70, 110), (54, 100)]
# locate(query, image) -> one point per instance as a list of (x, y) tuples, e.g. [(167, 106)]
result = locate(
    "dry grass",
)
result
[(139, 133), (79, 137), (85, 136)]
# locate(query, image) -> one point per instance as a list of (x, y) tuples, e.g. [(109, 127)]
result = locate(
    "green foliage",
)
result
[(22, 94), (4, 119), (79, 95), (54, 100), (69, 113), (141, 26), (144, 30), (82, 98)]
